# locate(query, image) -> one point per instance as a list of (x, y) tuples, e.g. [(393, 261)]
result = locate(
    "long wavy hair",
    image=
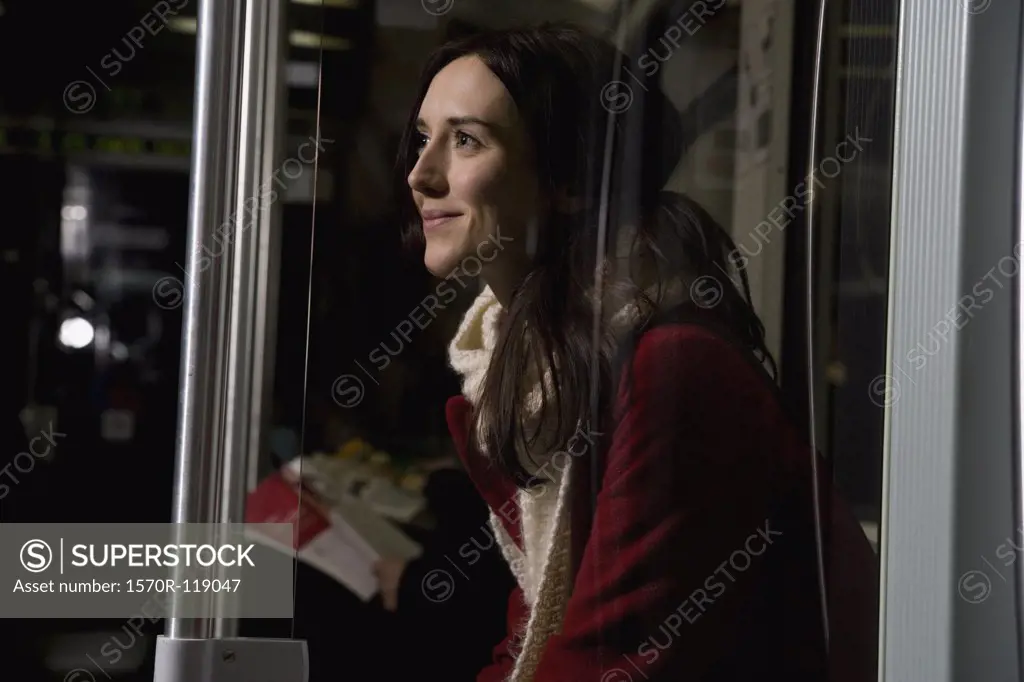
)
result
[(612, 147)]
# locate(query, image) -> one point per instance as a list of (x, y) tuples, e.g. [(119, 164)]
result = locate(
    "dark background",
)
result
[(132, 149)]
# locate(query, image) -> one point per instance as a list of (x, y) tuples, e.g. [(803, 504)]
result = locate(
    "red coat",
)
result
[(697, 562)]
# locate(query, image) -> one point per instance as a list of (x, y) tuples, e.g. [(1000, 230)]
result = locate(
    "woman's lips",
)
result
[(434, 222)]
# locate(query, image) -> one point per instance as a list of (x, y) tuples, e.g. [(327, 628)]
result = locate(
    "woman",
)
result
[(651, 498)]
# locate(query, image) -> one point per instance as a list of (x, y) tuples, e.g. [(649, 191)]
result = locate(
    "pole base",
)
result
[(232, 659)]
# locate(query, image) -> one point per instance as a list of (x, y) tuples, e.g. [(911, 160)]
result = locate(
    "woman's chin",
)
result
[(440, 265)]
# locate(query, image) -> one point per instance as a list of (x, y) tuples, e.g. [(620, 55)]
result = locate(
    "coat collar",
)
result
[(497, 489)]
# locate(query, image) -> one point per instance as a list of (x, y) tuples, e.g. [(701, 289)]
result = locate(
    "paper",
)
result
[(336, 480), (342, 539)]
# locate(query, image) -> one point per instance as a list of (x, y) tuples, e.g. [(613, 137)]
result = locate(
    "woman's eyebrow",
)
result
[(470, 120), (453, 121)]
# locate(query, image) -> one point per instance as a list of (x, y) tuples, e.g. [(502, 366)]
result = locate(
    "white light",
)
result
[(73, 213), (82, 300), (306, 39), (119, 351), (76, 332)]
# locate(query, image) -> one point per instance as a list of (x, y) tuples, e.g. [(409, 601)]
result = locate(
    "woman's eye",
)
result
[(419, 143), (465, 140)]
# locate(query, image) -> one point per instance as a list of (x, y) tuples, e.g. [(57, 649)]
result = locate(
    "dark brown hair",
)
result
[(616, 159)]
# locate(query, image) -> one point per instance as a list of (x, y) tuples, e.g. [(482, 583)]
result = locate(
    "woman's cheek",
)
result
[(478, 183)]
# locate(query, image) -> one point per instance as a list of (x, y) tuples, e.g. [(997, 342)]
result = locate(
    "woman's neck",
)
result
[(504, 285)]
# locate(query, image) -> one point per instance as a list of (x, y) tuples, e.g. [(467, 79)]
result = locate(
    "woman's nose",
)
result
[(428, 176)]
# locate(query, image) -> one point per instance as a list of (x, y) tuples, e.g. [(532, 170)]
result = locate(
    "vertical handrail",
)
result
[(250, 220), (812, 164), (201, 467), (267, 234), (1017, 360)]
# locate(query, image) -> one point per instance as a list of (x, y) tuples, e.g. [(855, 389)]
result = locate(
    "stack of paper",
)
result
[(342, 538), (336, 479)]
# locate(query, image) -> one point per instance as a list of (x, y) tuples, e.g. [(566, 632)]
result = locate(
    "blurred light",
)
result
[(73, 213), (103, 339), (182, 24), (316, 41), (119, 351), (76, 332), (302, 74), (604, 6), (306, 39), (343, 4), (82, 300)]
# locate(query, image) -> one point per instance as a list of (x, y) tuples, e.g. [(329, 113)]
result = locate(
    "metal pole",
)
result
[(812, 365), (268, 234), (253, 227), (1017, 359), (200, 468), (229, 318)]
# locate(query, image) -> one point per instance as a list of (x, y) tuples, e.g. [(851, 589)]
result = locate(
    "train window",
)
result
[(697, 141), (568, 337)]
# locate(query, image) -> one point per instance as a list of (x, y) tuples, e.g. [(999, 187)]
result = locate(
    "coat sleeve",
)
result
[(687, 485)]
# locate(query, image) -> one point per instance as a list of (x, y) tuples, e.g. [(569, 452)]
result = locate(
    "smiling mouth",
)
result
[(432, 223)]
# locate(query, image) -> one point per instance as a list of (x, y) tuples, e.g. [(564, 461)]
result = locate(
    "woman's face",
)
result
[(474, 182)]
